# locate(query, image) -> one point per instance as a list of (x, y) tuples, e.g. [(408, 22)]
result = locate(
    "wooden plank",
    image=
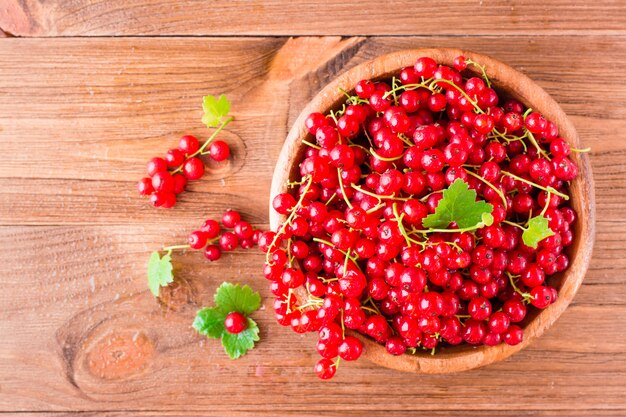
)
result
[(323, 413), (87, 292), (301, 17), (90, 128)]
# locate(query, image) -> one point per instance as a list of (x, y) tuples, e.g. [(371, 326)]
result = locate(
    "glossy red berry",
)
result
[(513, 336), (162, 181), (193, 168), (212, 252), (156, 165), (325, 369), (211, 228), (235, 323), (197, 240), (350, 349), (188, 144), (228, 241), (243, 230), (230, 218), (174, 158), (283, 203), (144, 187), (219, 151)]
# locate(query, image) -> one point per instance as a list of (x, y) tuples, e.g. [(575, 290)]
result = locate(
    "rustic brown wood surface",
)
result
[(305, 17), (79, 117)]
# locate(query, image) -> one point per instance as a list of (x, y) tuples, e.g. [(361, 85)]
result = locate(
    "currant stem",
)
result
[(376, 207), (512, 138), (404, 139), (394, 90), (532, 139), (517, 290), (206, 143), (289, 256), (371, 310), (354, 145), (326, 242), (548, 189), (493, 187), (400, 225), (478, 109), (426, 84), (545, 208), (482, 69), (513, 224), (373, 304), (345, 262), (343, 191), (306, 142), (288, 221), (379, 197), (479, 225), (429, 194), (175, 247), (382, 158), (289, 292)]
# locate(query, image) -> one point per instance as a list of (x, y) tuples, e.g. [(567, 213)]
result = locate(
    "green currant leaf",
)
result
[(537, 231), (210, 322), (231, 297), (215, 110), (159, 272), (237, 345), (459, 205)]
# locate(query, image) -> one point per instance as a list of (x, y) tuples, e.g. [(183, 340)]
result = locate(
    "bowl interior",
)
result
[(511, 84)]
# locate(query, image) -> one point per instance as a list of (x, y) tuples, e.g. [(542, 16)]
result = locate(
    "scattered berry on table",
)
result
[(235, 323)]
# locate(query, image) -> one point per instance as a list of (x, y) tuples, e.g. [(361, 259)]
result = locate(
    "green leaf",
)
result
[(210, 322), (231, 297), (459, 205), (159, 272), (228, 298), (238, 344), (537, 231), (215, 110)]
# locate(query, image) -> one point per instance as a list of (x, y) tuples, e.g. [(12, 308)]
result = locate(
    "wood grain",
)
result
[(302, 17), (78, 120), (45, 364)]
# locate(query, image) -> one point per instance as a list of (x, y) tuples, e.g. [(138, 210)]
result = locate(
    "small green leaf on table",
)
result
[(237, 345), (159, 272), (215, 110), (210, 322), (230, 298)]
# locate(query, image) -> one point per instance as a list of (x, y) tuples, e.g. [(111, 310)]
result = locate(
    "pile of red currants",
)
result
[(168, 176), (354, 253)]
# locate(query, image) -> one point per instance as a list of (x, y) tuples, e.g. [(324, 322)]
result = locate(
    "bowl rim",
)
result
[(516, 85)]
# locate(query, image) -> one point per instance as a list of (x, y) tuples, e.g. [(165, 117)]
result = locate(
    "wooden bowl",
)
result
[(507, 82)]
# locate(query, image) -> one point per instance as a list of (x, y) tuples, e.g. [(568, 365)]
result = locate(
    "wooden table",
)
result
[(90, 90)]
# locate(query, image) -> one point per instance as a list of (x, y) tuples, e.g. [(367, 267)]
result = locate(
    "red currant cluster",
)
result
[(208, 237), (353, 252), (168, 176)]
